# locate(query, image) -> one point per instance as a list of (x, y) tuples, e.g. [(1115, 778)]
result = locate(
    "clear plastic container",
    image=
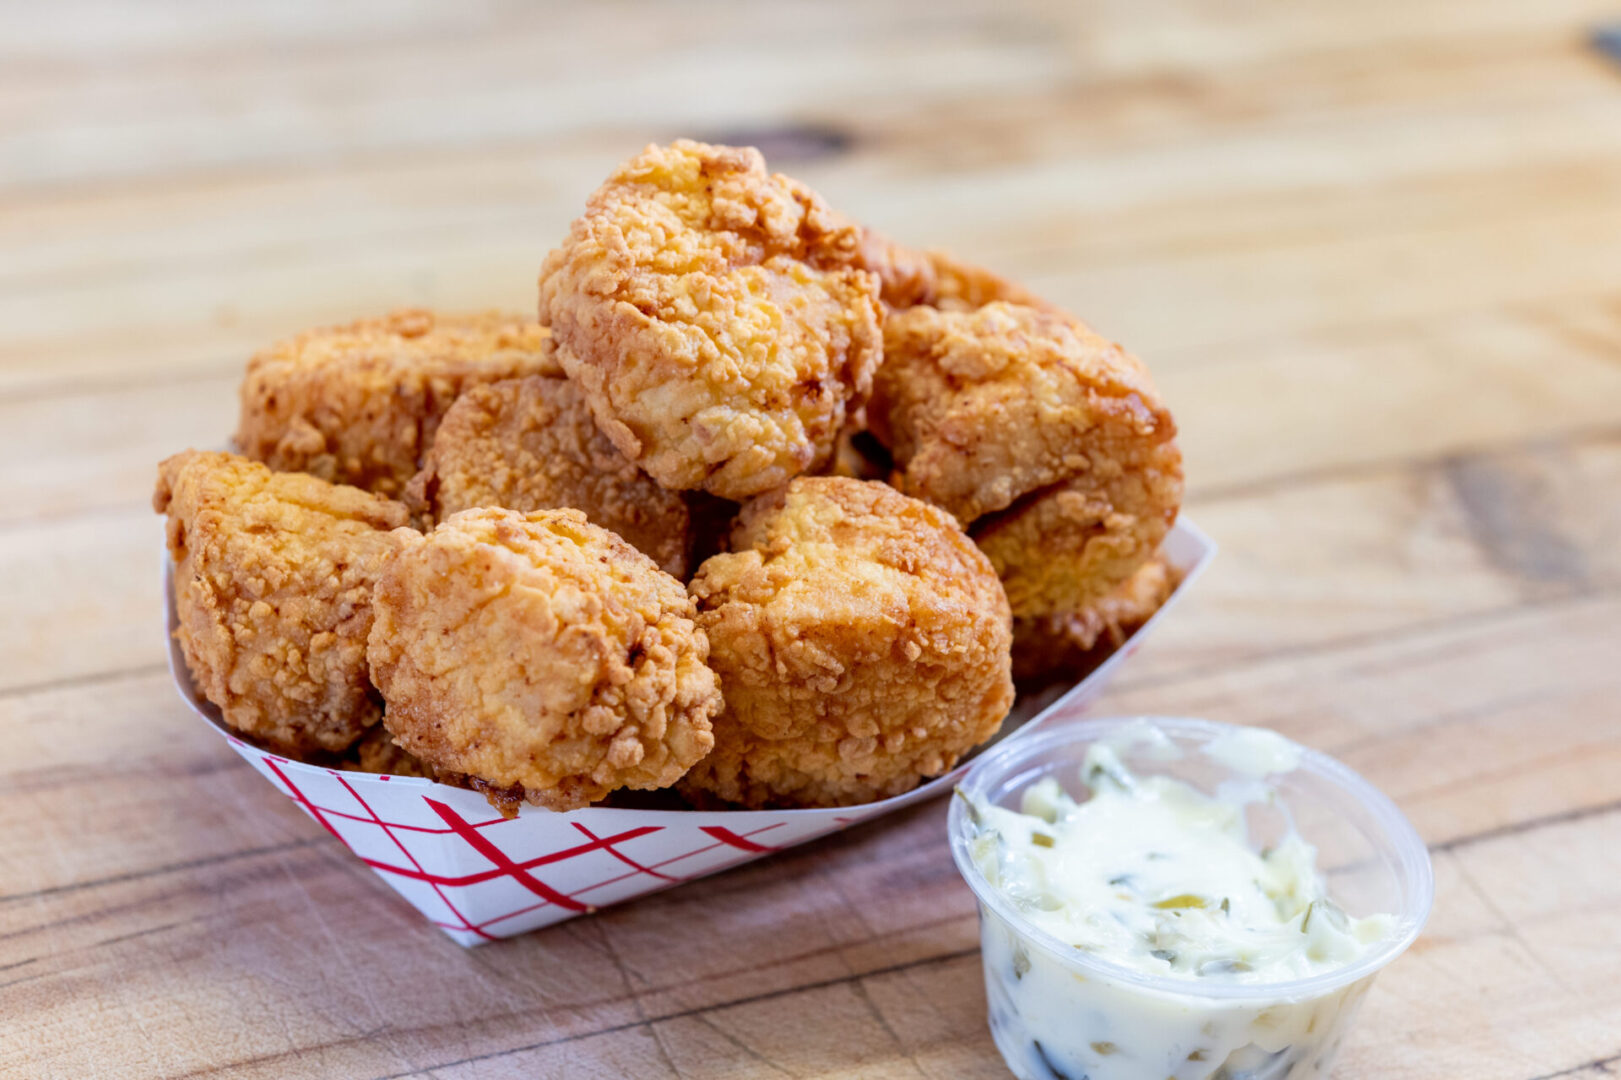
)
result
[(1058, 1013)]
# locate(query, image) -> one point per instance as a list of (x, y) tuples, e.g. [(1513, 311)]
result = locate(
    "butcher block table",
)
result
[(1371, 252)]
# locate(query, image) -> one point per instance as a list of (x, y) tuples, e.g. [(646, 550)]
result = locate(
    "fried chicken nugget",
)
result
[(530, 444), (1049, 442), (716, 316), (862, 641), (273, 583), (358, 404), (541, 658), (1070, 645)]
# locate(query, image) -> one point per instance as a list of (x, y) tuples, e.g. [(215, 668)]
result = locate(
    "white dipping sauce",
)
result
[(1151, 875)]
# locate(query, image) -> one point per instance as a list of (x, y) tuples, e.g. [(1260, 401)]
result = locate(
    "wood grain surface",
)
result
[(1371, 250)]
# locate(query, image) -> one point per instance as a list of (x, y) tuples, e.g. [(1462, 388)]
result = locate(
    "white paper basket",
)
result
[(481, 877)]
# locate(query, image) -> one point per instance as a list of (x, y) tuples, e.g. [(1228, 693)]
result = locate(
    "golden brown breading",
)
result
[(937, 278), (377, 752), (1049, 442), (1069, 545), (906, 276), (980, 407), (358, 404), (1069, 646), (862, 641), (273, 581), (716, 316), (961, 286), (530, 444), (542, 657)]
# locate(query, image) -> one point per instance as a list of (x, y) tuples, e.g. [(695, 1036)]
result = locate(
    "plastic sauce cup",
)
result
[(1058, 1013)]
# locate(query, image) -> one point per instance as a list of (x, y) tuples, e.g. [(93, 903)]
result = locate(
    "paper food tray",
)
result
[(481, 877)]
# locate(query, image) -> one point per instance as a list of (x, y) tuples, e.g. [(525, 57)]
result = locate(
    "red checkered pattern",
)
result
[(481, 877)]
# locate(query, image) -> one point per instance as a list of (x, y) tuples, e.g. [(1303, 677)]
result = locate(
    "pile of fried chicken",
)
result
[(764, 507)]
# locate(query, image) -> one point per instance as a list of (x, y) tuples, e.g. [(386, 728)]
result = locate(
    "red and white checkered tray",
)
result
[(481, 877)]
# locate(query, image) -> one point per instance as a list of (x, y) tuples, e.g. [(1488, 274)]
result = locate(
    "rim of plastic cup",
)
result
[(1409, 850)]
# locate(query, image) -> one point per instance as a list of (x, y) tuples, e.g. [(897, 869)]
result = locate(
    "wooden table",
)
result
[(1371, 250)]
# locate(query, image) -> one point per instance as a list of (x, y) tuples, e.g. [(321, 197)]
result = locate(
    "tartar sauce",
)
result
[(1152, 875)]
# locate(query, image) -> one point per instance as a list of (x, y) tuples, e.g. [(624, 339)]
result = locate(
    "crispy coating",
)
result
[(981, 407), (273, 582), (542, 658), (961, 286), (377, 752), (936, 278), (1069, 545), (906, 276), (862, 641), (1048, 441), (716, 316), (1068, 646), (358, 404), (530, 444)]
